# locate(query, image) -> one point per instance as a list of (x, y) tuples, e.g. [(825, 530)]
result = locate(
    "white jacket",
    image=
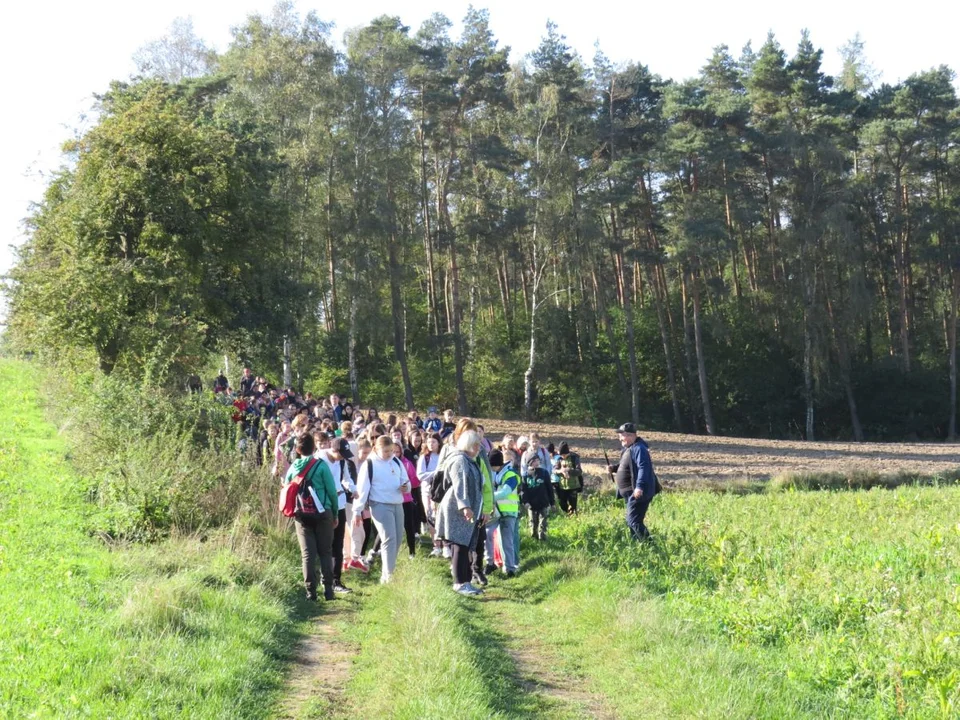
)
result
[(388, 476), (344, 483)]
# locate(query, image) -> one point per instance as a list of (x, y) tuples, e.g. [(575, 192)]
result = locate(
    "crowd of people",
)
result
[(359, 486)]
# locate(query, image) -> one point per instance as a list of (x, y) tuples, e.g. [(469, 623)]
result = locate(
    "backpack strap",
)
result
[(307, 468)]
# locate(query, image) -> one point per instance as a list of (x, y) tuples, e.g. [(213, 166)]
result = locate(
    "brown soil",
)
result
[(689, 459)]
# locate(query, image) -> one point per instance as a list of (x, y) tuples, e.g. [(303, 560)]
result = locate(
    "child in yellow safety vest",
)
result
[(506, 495)]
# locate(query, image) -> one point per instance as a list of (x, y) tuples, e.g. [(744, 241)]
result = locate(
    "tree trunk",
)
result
[(287, 365), (808, 356), (352, 343), (528, 376), (955, 297), (432, 309), (688, 352), (668, 356), (458, 354), (331, 252), (701, 359), (399, 336)]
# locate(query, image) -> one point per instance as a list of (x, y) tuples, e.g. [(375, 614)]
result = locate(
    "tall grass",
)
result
[(198, 626), (855, 595)]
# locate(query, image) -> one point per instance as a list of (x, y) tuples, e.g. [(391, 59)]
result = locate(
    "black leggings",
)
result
[(567, 499), (411, 524), (338, 535), (418, 501), (481, 546), (460, 564), (368, 534)]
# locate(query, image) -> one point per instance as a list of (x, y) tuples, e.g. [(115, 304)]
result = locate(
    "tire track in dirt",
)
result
[(535, 662), (320, 668)]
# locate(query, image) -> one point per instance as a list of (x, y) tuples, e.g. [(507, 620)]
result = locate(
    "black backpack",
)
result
[(439, 487)]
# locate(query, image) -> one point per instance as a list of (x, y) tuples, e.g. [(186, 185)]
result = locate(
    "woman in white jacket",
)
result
[(381, 484)]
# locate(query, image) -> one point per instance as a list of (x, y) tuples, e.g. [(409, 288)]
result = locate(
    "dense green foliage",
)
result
[(760, 250), (855, 591), (191, 627)]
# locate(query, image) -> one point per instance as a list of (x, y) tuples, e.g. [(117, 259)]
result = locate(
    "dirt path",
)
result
[(540, 668), (320, 668), (684, 458)]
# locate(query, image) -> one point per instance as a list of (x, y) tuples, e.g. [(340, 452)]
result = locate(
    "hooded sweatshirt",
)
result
[(322, 480)]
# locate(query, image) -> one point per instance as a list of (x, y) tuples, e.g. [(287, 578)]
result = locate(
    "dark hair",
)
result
[(305, 445), (391, 419)]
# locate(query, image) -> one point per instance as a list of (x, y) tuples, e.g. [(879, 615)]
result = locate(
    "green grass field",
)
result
[(191, 627), (788, 604), (781, 605)]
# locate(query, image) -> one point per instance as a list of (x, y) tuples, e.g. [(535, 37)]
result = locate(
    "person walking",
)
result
[(315, 532), (635, 478), (569, 478), (458, 516), (339, 458), (382, 482), (427, 466), (537, 494), (506, 495)]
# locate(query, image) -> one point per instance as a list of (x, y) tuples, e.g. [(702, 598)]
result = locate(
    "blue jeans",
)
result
[(636, 511)]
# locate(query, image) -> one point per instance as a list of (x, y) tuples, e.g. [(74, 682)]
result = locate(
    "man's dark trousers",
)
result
[(636, 511)]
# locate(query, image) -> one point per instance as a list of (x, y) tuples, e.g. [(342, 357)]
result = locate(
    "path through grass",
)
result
[(195, 627)]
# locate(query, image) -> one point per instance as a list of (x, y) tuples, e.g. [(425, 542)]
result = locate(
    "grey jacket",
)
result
[(465, 492)]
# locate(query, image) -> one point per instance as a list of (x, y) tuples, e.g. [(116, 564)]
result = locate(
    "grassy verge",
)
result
[(196, 627), (784, 605), (850, 600), (591, 640)]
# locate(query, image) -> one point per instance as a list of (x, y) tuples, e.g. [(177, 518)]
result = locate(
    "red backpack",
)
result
[(297, 498)]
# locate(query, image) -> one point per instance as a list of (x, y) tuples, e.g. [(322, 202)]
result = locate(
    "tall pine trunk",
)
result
[(399, 335), (701, 358)]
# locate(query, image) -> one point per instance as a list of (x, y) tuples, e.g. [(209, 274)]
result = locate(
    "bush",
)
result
[(155, 462)]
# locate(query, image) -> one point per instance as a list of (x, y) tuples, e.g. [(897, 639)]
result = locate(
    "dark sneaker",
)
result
[(311, 595), (490, 568), (479, 579), (341, 589), (328, 593)]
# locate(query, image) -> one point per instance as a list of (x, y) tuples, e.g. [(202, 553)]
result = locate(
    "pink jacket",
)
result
[(412, 474)]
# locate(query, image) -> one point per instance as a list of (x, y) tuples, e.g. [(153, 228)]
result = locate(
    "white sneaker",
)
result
[(436, 552), (446, 552), (386, 579)]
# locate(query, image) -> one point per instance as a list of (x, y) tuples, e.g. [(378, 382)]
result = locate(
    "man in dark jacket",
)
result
[(636, 482)]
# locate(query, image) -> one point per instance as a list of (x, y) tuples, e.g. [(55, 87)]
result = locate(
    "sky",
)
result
[(56, 55)]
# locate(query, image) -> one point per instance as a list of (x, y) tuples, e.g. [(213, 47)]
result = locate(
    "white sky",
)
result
[(55, 55)]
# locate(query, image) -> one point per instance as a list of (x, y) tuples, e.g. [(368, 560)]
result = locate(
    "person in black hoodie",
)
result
[(536, 492), (569, 478)]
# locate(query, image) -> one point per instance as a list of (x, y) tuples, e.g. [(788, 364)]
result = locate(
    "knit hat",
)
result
[(564, 449), (529, 456), (496, 459), (522, 440)]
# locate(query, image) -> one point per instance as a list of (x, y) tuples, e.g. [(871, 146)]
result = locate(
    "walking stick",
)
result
[(593, 416)]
